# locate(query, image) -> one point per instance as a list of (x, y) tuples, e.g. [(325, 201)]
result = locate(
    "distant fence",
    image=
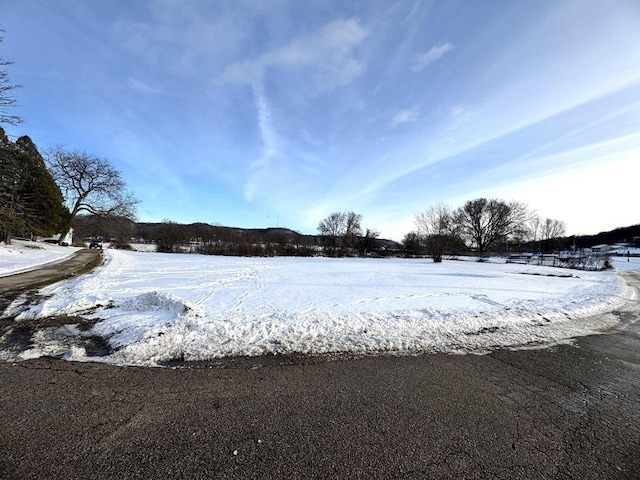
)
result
[(579, 261)]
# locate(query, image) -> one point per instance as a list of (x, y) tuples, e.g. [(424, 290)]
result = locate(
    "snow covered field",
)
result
[(154, 307), (23, 255)]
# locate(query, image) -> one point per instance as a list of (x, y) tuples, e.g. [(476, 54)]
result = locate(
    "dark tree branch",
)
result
[(6, 101)]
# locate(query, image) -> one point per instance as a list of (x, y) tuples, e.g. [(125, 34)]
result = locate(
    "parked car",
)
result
[(96, 242)]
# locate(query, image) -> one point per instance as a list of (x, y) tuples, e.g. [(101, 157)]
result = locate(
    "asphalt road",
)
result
[(568, 412), (52, 272)]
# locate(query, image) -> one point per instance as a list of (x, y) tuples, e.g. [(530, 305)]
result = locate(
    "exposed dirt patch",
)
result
[(560, 275), (21, 291)]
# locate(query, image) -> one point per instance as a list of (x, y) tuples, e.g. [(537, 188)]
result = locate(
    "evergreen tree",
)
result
[(46, 210), (31, 202), (11, 217)]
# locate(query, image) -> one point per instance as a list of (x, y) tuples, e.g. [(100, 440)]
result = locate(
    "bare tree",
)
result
[(412, 244), (533, 227), (90, 184), (543, 230), (340, 231), (482, 223), (436, 227), (352, 229), (331, 229), (6, 101), (552, 228)]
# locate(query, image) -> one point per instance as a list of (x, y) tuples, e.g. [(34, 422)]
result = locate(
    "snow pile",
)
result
[(23, 255), (152, 307), (156, 301)]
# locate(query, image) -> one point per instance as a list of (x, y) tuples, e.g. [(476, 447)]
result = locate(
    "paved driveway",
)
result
[(52, 272)]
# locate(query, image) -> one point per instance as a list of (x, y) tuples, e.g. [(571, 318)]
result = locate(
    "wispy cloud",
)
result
[(261, 165), (143, 87), (328, 58), (454, 140), (456, 110), (329, 52), (423, 60), (404, 116), (189, 33), (265, 122)]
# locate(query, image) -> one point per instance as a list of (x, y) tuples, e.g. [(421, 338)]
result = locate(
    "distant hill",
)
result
[(619, 235), (205, 232)]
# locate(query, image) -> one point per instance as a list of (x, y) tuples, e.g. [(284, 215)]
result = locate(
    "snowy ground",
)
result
[(23, 255), (622, 264), (153, 307), (143, 247)]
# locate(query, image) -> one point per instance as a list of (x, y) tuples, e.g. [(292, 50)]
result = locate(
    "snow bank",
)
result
[(152, 307), (22, 255)]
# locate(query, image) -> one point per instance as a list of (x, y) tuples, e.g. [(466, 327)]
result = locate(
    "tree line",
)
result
[(480, 226), (342, 235)]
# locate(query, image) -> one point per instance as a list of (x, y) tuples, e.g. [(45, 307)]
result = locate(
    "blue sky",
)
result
[(257, 114)]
